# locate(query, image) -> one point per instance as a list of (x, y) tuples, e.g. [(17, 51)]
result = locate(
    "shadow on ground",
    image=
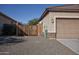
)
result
[(34, 46), (10, 40)]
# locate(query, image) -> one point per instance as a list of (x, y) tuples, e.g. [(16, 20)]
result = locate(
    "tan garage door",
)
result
[(67, 28)]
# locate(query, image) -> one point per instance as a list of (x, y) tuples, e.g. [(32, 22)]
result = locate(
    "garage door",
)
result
[(67, 28)]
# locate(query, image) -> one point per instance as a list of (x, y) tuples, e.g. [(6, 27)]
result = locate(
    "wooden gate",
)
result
[(40, 29), (32, 30)]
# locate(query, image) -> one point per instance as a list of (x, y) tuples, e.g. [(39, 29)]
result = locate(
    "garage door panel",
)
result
[(68, 28)]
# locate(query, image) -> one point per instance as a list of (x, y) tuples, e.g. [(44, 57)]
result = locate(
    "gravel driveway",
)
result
[(35, 46)]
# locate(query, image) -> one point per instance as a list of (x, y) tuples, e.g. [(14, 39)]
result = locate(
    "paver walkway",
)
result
[(36, 46)]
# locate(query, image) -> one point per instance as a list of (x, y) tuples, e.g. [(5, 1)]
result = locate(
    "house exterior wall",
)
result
[(5, 20), (47, 24), (1, 26), (50, 20), (62, 15)]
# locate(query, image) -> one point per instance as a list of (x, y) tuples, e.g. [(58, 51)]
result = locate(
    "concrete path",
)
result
[(73, 44), (36, 46)]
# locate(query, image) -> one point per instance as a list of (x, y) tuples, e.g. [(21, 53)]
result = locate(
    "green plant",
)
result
[(33, 21)]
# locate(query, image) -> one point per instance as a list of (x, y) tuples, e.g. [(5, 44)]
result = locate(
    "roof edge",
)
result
[(58, 10), (9, 18), (44, 14)]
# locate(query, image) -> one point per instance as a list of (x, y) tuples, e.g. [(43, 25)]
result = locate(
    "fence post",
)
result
[(17, 29)]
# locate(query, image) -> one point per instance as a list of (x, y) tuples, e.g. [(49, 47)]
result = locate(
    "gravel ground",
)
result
[(35, 46)]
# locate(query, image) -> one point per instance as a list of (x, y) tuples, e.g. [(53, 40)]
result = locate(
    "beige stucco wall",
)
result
[(47, 23), (47, 20)]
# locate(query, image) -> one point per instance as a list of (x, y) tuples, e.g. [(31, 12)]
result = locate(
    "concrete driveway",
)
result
[(72, 44), (36, 46)]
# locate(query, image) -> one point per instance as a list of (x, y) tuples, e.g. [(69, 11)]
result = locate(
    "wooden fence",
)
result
[(34, 30)]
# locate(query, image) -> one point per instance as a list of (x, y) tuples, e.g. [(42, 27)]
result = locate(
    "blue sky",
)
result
[(24, 12)]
